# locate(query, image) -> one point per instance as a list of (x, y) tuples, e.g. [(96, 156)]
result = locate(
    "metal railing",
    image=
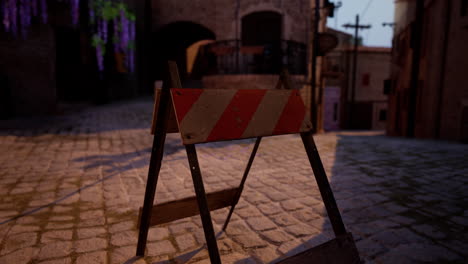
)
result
[(230, 57)]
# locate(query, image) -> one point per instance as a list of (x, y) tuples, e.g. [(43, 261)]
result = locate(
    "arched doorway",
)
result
[(172, 42), (260, 28), (264, 29)]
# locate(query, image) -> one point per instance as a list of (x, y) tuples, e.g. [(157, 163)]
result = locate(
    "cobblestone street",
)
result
[(71, 186)]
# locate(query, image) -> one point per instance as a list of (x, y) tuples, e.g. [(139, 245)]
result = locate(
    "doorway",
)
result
[(69, 66), (264, 29), (171, 43)]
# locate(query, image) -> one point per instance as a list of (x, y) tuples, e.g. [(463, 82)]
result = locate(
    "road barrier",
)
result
[(210, 115)]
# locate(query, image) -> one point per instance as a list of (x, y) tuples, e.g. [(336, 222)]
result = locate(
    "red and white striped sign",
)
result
[(207, 115)]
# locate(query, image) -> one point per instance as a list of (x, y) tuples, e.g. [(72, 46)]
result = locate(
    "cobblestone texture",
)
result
[(71, 185)]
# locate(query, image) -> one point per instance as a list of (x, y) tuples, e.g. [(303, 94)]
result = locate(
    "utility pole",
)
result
[(356, 27), (416, 37), (144, 36), (313, 81), (238, 38)]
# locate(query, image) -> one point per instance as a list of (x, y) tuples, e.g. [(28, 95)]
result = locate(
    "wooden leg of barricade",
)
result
[(244, 178), (342, 249), (152, 181), (323, 184), (157, 152), (153, 175), (203, 205)]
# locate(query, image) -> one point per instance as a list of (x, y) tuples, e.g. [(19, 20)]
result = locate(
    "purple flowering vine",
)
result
[(44, 11), (16, 17), (34, 8), (123, 30), (6, 15), (75, 9)]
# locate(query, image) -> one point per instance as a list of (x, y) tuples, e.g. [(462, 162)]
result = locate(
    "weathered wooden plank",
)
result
[(172, 126), (244, 178), (203, 207), (173, 80), (174, 210), (208, 115), (286, 80), (323, 184), (340, 250), (157, 152)]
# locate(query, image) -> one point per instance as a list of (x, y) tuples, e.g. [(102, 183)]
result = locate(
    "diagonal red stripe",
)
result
[(183, 100), (237, 115), (293, 114)]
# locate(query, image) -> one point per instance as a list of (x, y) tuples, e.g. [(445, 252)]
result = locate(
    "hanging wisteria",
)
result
[(44, 11), (104, 13), (17, 14), (16, 18)]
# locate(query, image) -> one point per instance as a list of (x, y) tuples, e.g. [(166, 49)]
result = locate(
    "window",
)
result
[(383, 115), (387, 86), (366, 79), (335, 112), (464, 8), (336, 68), (464, 13)]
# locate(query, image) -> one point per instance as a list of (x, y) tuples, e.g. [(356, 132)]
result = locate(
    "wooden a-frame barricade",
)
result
[(208, 115)]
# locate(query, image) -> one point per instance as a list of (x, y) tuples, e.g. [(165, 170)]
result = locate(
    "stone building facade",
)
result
[(233, 26), (244, 42), (335, 74), (370, 101), (263, 33), (441, 105), (370, 98), (222, 17), (27, 74), (55, 63)]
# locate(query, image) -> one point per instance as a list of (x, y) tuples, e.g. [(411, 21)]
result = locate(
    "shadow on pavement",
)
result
[(129, 160), (42, 207), (173, 150), (87, 119), (336, 175), (400, 198), (132, 260), (187, 256)]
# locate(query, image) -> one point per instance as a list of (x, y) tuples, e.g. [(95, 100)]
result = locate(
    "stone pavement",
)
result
[(70, 187)]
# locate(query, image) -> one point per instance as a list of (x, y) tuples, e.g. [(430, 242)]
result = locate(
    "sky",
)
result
[(373, 12)]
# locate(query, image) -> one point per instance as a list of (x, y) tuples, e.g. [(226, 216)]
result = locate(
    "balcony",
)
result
[(230, 57)]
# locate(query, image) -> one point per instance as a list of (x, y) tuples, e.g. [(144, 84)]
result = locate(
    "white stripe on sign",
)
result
[(268, 112), (205, 113)]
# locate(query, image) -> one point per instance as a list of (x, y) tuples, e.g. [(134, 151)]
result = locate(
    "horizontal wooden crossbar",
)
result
[(340, 250), (174, 210)]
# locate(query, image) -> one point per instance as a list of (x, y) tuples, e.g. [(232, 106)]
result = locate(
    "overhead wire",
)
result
[(363, 13), (366, 8)]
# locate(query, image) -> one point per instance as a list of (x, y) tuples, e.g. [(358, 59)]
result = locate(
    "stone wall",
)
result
[(221, 17), (331, 111), (377, 123), (248, 81), (454, 96), (442, 93), (375, 64), (252, 81), (29, 67)]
